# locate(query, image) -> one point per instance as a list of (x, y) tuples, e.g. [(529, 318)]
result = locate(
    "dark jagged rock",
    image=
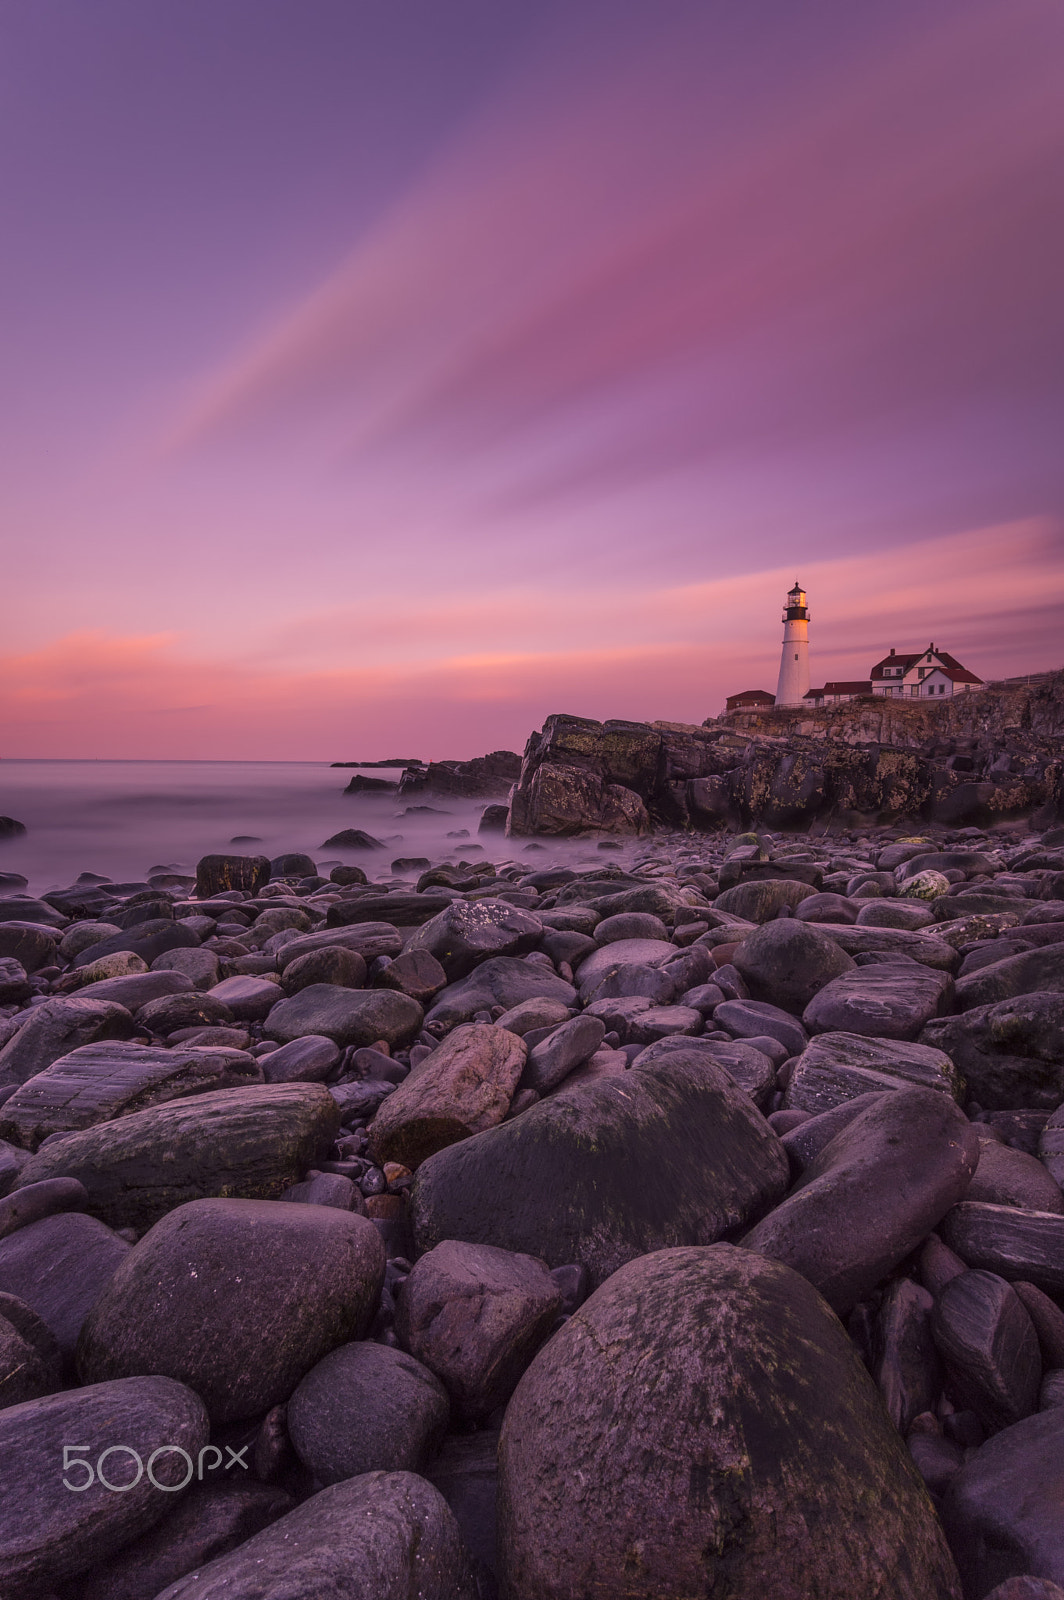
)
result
[(483, 777), (220, 874), (1011, 1052), (1005, 1240)]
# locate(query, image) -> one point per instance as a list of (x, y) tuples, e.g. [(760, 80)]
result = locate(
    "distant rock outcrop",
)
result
[(973, 760), (483, 778)]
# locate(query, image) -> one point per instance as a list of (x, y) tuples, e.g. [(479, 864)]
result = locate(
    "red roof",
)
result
[(949, 665), (750, 697)]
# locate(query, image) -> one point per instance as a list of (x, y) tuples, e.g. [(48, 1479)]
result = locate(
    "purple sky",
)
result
[(388, 375)]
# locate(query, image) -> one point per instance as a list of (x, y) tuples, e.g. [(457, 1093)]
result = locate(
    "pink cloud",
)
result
[(991, 596)]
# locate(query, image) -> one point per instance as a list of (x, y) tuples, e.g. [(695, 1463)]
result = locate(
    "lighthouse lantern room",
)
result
[(794, 661)]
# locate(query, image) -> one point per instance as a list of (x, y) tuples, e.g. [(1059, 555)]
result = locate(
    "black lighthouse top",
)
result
[(796, 610)]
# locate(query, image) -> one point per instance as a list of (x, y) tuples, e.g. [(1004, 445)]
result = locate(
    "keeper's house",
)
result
[(930, 674)]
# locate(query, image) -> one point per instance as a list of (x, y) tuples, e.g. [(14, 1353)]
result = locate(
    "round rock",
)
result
[(704, 1422), (236, 1298)]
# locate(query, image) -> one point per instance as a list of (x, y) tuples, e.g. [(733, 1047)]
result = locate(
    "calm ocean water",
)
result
[(122, 818)]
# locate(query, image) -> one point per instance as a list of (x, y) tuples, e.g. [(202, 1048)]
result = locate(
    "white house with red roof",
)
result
[(928, 674)]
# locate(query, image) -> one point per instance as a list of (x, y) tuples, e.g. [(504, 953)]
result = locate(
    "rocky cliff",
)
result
[(976, 760)]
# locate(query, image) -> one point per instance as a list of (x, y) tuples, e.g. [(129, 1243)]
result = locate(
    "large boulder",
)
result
[(703, 1426), (467, 932), (476, 1316), (30, 943), (98, 1082), (148, 940), (872, 1195), (236, 1298), (881, 1002), (55, 1029), (250, 1143), (929, 950), (503, 981), (59, 1267), (60, 1520), (221, 874), (1033, 971), (1011, 1053), (787, 962), (381, 1536), (463, 1087), (1002, 1510), (672, 1153), (835, 1067), (366, 939), (365, 1407), (347, 1016), (1027, 1245), (760, 900), (210, 1520), (990, 1348), (567, 800)]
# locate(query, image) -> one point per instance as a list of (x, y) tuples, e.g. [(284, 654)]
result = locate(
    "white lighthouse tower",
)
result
[(794, 662)]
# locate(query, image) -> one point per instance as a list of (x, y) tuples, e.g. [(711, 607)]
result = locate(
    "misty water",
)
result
[(121, 819)]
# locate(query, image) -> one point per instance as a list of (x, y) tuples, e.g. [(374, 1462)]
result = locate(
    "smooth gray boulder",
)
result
[(59, 1267), (236, 1298), (881, 1002), (872, 1195), (475, 1316), (570, 1044), (56, 1028), (925, 947), (211, 1519), (463, 1087), (762, 900), (1031, 972), (755, 1019), (1007, 1177), (623, 953), (838, 1066), (607, 1170), (367, 939), (250, 1142), (52, 1529), (1002, 1510), (199, 966), (703, 1426), (1008, 1241), (345, 969), (99, 1082), (787, 962), (306, 1060), (748, 1068), (39, 1200), (381, 1536), (347, 1016), (136, 989), (245, 997), (30, 943), (467, 932), (504, 981), (367, 1408)]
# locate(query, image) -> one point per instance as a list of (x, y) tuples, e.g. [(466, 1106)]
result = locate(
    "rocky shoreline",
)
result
[(688, 1224)]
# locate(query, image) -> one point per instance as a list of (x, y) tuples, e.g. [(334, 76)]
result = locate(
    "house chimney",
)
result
[(892, 649)]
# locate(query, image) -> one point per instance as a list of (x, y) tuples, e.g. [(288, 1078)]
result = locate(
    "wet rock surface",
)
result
[(342, 1154)]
